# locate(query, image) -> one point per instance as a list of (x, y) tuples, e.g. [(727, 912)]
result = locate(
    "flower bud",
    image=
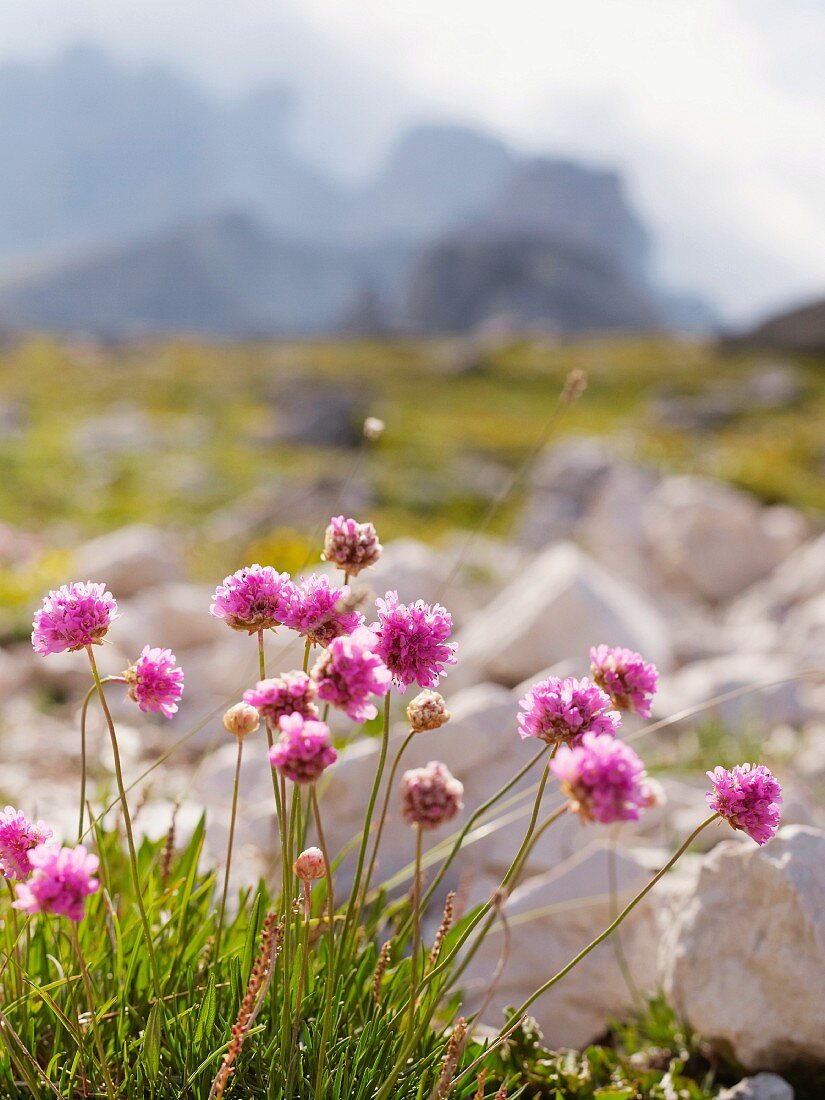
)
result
[(310, 865), (427, 711), (430, 795), (241, 720), (373, 428)]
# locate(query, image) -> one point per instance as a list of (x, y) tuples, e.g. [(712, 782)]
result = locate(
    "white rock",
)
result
[(702, 681), (800, 577), (764, 1086), (174, 615), (744, 959), (131, 559), (714, 540), (562, 487), (552, 917), (613, 527), (561, 605)]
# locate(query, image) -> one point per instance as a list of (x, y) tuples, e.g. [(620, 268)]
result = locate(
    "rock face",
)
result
[(764, 1086), (561, 605), (744, 959), (715, 541), (131, 559)]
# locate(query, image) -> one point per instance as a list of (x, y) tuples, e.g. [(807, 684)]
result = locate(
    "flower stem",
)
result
[(328, 985), (382, 817), (127, 821), (615, 923), (416, 924), (87, 982), (232, 817), (299, 994), (307, 649), (382, 760)]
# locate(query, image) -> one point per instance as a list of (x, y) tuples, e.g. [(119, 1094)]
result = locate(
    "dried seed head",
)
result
[(574, 386), (380, 968)]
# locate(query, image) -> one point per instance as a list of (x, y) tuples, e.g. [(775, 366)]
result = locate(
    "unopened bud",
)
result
[(427, 711), (241, 719), (310, 865), (373, 428)]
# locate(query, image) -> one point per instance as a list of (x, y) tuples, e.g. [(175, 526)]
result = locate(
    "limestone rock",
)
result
[(764, 1086), (744, 959), (130, 559)]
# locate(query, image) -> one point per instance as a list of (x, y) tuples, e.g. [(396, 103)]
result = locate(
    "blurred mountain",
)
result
[(140, 203), (796, 330)]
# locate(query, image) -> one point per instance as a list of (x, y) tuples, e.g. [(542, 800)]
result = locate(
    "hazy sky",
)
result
[(714, 110)]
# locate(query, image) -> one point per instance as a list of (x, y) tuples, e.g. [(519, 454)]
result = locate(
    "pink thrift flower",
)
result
[(72, 617), (155, 682), (304, 749), (61, 880), (18, 837), (430, 795), (628, 679), (560, 711), (348, 672), (351, 546), (291, 693), (252, 599), (603, 778), (319, 611), (412, 640), (748, 797)]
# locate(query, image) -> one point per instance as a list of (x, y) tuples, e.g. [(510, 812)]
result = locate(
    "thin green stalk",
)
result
[(362, 852), (127, 821), (307, 649), (299, 995), (615, 923), (382, 817), (83, 710), (329, 984), (618, 946), (90, 997), (416, 924), (229, 846)]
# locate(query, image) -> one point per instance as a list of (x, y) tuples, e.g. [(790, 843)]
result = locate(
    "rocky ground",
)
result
[(722, 593)]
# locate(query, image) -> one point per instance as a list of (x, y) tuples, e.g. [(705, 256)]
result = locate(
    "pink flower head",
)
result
[(252, 599), (351, 546), (603, 778), (430, 795), (320, 611), (155, 682), (304, 749), (412, 640), (748, 797), (310, 865), (18, 837), (291, 693), (560, 711), (627, 677), (72, 617), (349, 671), (61, 880)]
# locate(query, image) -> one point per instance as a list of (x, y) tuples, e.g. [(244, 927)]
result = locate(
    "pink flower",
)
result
[(603, 777), (628, 679), (291, 693), (310, 865), (72, 617), (348, 672), (412, 640), (304, 749), (253, 599), (430, 795), (319, 611), (18, 836), (748, 797), (155, 682), (560, 711), (60, 882), (351, 546)]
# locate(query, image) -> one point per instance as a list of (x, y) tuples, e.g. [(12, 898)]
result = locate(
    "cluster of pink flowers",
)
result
[(561, 711), (18, 837), (413, 640), (304, 749), (627, 677), (319, 611), (279, 696), (430, 796), (72, 617), (603, 778), (748, 797), (255, 598), (60, 882), (351, 546), (155, 682), (349, 671)]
